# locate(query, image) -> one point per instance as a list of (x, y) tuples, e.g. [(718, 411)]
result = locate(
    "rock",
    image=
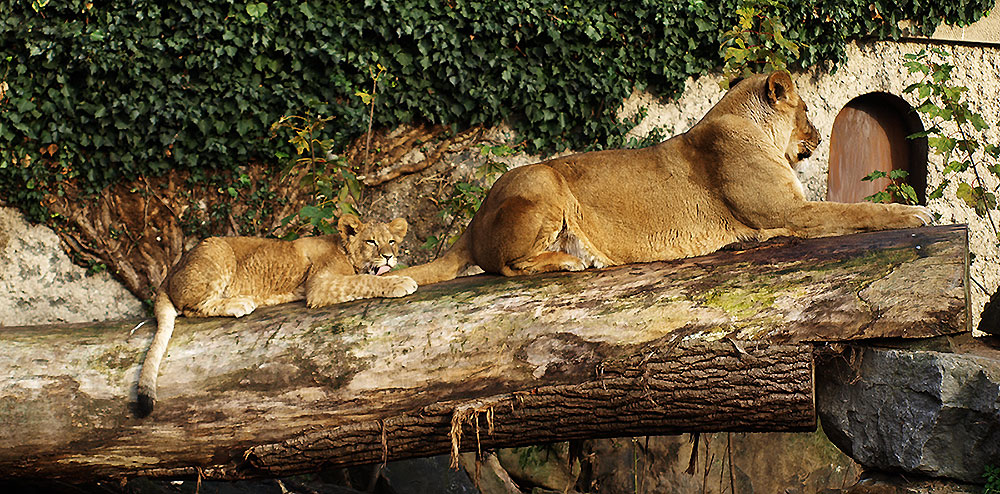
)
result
[(488, 475), (549, 467), (764, 463), (40, 285), (428, 476), (990, 322), (918, 411), (885, 484)]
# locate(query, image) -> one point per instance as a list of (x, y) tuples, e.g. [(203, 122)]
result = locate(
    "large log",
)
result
[(714, 343)]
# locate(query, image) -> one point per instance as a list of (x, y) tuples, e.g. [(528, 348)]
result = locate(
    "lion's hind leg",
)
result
[(545, 262), (517, 230)]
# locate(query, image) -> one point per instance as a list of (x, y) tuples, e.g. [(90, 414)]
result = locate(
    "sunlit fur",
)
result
[(232, 276), (728, 179)]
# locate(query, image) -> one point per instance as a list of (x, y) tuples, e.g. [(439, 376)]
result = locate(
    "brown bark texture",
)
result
[(717, 343)]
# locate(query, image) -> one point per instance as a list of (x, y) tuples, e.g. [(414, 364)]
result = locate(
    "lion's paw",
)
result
[(238, 306), (904, 216), (573, 265), (401, 286), (916, 215)]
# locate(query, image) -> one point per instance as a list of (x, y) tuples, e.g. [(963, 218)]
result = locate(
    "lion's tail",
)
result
[(166, 315), (447, 267)]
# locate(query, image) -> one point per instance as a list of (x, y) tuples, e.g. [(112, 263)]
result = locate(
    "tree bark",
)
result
[(717, 343)]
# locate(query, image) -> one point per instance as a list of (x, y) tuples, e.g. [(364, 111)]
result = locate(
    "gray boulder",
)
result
[(39, 284), (916, 411)]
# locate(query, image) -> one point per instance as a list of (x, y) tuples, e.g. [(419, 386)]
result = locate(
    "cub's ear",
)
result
[(348, 226), (398, 228), (779, 86)]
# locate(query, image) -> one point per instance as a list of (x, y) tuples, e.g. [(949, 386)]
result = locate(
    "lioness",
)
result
[(728, 179), (232, 276)]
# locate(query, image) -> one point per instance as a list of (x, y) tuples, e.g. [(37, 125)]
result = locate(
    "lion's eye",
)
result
[(392, 242), (370, 242)]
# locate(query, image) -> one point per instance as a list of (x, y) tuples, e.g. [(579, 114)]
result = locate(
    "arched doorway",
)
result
[(870, 134)]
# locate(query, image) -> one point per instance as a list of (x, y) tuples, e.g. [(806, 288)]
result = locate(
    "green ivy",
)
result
[(111, 91), (992, 475)]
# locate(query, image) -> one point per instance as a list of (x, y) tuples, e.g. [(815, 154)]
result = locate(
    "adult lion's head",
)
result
[(784, 99), (773, 102), (804, 137)]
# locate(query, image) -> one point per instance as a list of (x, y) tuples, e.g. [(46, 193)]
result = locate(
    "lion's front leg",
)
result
[(821, 219), (323, 288)]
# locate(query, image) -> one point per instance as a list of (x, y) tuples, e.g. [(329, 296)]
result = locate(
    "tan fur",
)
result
[(232, 276), (728, 179)]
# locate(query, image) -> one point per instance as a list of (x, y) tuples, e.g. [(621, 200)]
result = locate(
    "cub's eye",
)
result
[(370, 242), (392, 242)]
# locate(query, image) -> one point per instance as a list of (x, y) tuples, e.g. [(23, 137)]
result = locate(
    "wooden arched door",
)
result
[(870, 134)]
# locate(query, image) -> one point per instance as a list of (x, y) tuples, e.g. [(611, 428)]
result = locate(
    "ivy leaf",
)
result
[(256, 9), (977, 121), (879, 197), (966, 193), (304, 8), (938, 191), (909, 195), (875, 175), (366, 98), (898, 174), (957, 166)]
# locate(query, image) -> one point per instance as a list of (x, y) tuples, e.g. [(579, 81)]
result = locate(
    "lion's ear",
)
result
[(348, 226), (779, 86), (398, 228)]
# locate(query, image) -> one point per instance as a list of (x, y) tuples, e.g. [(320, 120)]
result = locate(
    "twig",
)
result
[(732, 475), (708, 466), (975, 171), (693, 461)]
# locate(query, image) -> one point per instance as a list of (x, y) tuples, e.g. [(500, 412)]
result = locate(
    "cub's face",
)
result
[(804, 137), (372, 247)]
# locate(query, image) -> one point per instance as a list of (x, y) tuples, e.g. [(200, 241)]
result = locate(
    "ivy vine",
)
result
[(98, 93)]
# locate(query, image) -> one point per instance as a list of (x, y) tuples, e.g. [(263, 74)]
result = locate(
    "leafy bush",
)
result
[(757, 42), (897, 190), (333, 185), (98, 93), (992, 476), (956, 133)]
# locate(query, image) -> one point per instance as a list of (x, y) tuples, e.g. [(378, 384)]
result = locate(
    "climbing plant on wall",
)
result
[(98, 93)]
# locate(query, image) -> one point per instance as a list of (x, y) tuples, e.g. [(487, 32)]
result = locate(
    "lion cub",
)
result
[(232, 276)]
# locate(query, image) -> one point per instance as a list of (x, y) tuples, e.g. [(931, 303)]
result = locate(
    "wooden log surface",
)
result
[(704, 344)]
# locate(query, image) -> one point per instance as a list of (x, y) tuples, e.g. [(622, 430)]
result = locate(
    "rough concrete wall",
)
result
[(871, 67), (985, 30), (40, 285)]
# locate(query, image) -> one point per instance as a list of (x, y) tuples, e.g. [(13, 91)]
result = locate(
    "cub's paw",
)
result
[(400, 286), (238, 306)]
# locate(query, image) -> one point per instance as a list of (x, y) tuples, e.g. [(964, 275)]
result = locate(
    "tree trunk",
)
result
[(717, 343)]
